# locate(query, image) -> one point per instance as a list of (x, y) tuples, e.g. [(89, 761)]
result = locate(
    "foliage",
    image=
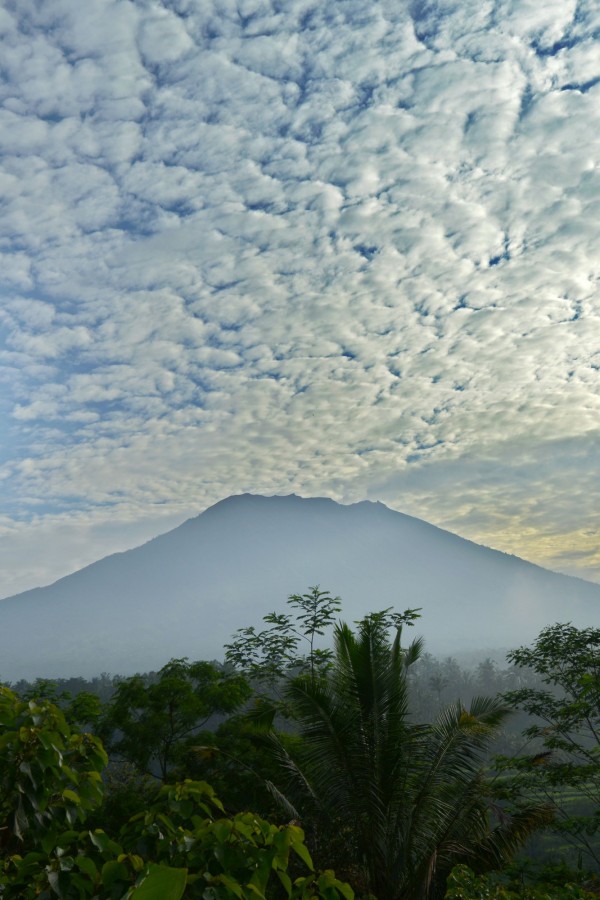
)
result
[(463, 884), (234, 856), (270, 655), (175, 849), (49, 774), (411, 799), (238, 762), (82, 710), (147, 724), (180, 847), (126, 792), (565, 756), (101, 686)]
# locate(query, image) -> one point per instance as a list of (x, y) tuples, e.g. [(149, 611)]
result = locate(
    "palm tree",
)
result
[(412, 799)]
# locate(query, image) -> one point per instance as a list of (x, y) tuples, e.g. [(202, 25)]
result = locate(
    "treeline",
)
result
[(433, 682), (408, 776)]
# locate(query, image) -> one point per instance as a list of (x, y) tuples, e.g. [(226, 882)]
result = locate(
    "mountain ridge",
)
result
[(183, 593)]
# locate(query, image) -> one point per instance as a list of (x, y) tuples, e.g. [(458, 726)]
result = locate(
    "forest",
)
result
[(319, 759)]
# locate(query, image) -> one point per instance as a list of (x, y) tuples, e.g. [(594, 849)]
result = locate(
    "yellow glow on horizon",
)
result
[(575, 552)]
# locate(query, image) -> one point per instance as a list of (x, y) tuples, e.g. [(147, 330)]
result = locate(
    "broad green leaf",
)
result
[(113, 871), (86, 865), (252, 888), (65, 839), (161, 883), (260, 877), (286, 881), (7, 738), (230, 883), (103, 843), (327, 882), (301, 850)]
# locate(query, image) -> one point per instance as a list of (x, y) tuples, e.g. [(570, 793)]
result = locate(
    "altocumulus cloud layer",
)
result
[(346, 249)]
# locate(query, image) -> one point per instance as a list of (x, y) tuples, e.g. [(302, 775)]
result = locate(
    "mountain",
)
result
[(184, 593)]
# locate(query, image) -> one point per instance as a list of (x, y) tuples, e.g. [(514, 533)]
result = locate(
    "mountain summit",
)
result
[(185, 593)]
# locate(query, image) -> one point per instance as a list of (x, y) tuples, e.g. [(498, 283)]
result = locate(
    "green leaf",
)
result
[(48, 841), (327, 882), (286, 881), (260, 877), (70, 795), (7, 738), (87, 866), (161, 883), (112, 872), (103, 843), (301, 850), (230, 883), (65, 839), (253, 889), (281, 841), (56, 880)]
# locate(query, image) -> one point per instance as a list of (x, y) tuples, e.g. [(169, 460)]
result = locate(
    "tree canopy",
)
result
[(146, 723), (564, 738)]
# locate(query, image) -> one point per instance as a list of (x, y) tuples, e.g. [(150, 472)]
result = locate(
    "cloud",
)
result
[(342, 250)]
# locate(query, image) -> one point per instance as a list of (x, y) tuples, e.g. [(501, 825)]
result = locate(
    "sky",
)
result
[(333, 249)]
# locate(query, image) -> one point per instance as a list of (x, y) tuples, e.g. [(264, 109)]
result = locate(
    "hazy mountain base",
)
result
[(184, 593), (434, 682)]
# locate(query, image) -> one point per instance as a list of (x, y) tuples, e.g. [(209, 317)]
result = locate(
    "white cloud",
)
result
[(345, 250)]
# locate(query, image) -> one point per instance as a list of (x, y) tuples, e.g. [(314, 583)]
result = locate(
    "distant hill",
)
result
[(185, 592)]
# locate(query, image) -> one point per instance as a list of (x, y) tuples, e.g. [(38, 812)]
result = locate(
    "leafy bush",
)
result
[(181, 847), (563, 765), (49, 774), (463, 884)]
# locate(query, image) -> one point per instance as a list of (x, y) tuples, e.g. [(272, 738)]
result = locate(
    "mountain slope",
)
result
[(185, 592)]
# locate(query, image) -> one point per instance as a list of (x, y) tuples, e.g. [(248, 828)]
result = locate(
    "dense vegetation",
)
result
[(407, 776)]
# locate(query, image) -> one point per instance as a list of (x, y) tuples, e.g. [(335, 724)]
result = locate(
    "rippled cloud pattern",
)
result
[(337, 249)]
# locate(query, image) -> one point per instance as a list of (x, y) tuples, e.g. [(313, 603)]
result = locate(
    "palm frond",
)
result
[(282, 801), (413, 796)]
